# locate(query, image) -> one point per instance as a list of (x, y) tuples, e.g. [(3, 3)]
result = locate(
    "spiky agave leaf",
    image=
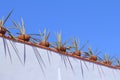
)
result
[(76, 44), (45, 35), (1, 22), (84, 45), (21, 27), (67, 41), (59, 40), (59, 44), (4, 21), (90, 52), (10, 34), (23, 31), (96, 53), (107, 58), (16, 26)]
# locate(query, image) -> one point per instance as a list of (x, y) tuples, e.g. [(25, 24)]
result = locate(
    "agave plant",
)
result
[(107, 59), (59, 45), (3, 30), (22, 31), (22, 34), (44, 38), (92, 56), (77, 51)]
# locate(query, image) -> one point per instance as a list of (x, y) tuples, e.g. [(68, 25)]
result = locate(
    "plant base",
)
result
[(44, 43), (76, 53), (24, 37), (107, 62), (93, 58), (62, 49), (3, 30)]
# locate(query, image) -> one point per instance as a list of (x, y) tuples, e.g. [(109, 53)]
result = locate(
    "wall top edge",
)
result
[(54, 50)]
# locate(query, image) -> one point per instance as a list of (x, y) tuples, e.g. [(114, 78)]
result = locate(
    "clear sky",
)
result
[(95, 20)]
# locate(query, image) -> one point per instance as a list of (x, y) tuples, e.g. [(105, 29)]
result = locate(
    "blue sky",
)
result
[(95, 20)]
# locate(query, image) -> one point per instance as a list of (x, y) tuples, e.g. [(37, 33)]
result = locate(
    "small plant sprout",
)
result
[(22, 31), (44, 38), (3, 30), (107, 60), (76, 47), (91, 54), (59, 45)]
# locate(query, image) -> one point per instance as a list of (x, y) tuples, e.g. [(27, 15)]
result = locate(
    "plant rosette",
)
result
[(44, 38), (107, 62), (77, 50), (59, 45), (44, 43), (77, 53), (22, 31), (2, 31), (24, 37), (62, 49), (93, 58)]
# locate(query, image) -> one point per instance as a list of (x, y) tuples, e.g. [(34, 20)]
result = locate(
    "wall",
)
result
[(41, 64)]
